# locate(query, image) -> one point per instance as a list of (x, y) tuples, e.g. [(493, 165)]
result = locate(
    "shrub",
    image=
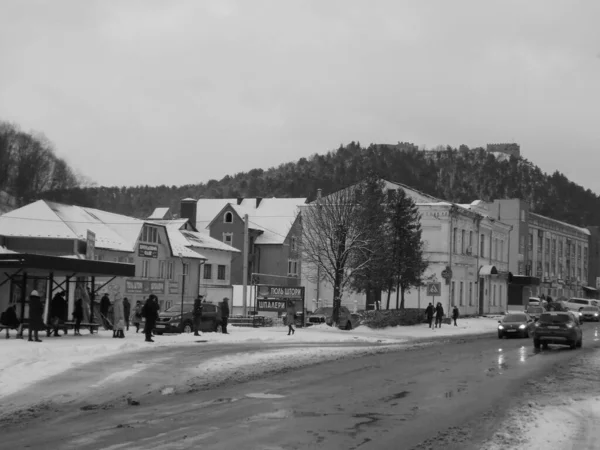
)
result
[(392, 318)]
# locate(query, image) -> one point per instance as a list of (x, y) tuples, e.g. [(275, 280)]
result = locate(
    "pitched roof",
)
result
[(159, 213), (193, 239), (273, 216)]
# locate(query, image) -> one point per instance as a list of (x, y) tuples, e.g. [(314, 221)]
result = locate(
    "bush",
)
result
[(392, 318)]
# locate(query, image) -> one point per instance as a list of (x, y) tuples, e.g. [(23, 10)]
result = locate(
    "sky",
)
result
[(175, 91)]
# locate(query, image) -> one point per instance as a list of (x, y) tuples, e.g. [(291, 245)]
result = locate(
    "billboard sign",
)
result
[(148, 251), (144, 287)]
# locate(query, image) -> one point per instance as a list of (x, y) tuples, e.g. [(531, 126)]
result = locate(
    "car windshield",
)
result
[(555, 318), (187, 307), (535, 310), (324, 311), (515, 318), (590, 308)]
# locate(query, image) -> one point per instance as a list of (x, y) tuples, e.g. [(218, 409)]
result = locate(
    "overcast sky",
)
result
[(174, 92)]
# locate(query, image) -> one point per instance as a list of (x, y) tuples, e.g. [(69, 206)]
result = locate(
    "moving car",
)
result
[(172, 321), (515, 324), (347, 320), (590, 313), (561, 328), (575, 304), (535, 311)]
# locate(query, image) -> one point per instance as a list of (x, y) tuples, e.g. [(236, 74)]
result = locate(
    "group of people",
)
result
[(437, 312), (222, 314)]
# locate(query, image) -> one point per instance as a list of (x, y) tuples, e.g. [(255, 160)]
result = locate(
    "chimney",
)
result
[(319, 191), (258, 200), (188, 210)]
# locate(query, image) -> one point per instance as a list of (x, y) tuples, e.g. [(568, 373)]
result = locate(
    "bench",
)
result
[(65, 326)]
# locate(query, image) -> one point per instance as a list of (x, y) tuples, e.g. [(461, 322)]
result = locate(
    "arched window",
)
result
[(228, 217)]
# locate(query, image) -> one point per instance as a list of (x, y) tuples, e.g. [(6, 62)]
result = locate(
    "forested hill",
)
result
[(459, 175)]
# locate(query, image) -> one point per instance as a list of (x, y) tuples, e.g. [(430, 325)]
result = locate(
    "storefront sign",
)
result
[(281, 292), (148, 251), (271, 305), (173, 287), (144, 287)]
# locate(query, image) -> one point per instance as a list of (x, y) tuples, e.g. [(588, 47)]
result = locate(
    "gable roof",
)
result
[(192, 239), (160, 213), (273, 216)]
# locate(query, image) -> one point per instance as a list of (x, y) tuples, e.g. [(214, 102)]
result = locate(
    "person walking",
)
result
[(137, 315), (127, 312), (104, 308), (119, 318), (150, 313), (455, 314), (197, 314), (58, 311), (429, 314), (78, 316), (224, 314), (10, 320), (290, 316), (439, 315), (36, 311)]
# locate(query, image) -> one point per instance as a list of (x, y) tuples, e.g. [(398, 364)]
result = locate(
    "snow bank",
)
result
[(23, 363)]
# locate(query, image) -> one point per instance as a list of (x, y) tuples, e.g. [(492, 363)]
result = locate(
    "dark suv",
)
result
[(561, 328), (172, 321)]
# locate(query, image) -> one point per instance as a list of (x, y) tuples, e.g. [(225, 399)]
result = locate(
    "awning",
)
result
[(589, 288), (488, 270), (524, 280)]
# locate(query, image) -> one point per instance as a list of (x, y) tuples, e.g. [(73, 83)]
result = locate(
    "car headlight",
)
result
[(175, 318), (522, 327), (569, 325), (596, 314), (500, 327)]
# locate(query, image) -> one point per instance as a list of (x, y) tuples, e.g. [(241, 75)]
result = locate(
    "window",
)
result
[(220, 272), (452, 293), (462, 241), (546, 269), (560, 249), (500, 296), (208, 271), (292, 267), (496, 249), (470, 293), (521, 268), (454, 237), (530, 242), (460, 293), (228, 238), (145, 268), (228, 218), (482, 249), (186, 269), (170, 272), (150, 234), (521, 245), (501, 257), (523, 216), (494, 295), (293, 244), (547, 248), (162, 269), (470, 248)]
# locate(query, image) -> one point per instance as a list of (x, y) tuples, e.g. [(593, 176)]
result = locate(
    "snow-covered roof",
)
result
[(417, 196), (273, 216), (179, 243), (564, 224), (159, 213), (192, 239)]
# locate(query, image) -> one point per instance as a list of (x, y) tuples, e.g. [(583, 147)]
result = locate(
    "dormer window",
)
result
[(228, 218), (150, 234)]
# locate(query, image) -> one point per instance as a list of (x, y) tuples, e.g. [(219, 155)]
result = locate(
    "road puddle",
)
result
[(264, 395), (280, 414)]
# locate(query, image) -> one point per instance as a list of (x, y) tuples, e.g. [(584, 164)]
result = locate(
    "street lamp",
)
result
[(182, 287)]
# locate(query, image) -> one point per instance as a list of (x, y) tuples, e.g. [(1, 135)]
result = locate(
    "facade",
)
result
[(273, 229), (547, 256), (593, 289), (467, 251)]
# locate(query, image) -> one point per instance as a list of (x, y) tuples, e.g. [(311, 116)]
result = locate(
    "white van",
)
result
[(575, 304)]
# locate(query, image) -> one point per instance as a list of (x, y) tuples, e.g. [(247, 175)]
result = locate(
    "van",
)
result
[(575, 304)]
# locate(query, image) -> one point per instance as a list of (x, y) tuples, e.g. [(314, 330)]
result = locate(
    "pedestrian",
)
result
[(36, 311), (127, 312), (104, 308), (137, 315), (218, 318), (455, 314), (429, 314), (10, 320), (150, 313), (439, 315), (225, 314), (58, 311), (197, 314), (78, 316), (119, 318), (290, 316)]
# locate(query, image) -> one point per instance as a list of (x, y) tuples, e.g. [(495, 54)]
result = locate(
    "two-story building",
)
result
[(273, 235)]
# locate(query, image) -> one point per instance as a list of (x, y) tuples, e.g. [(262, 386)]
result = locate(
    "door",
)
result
[(481, 294)]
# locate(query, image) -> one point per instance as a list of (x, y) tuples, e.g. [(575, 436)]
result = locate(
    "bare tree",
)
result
[(340, 233)]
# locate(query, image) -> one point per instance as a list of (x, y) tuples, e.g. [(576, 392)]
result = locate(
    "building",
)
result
[(273, 229), (467, 251), (507, 149), (547, 256), (162, 251), (593, 290)]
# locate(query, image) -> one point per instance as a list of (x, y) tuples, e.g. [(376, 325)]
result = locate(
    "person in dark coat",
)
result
[(36, 311), (10, 320), (439, 315), (224, 314), (197, 314), (58, 311), (78, 316), (127, 312), (150, 313), (104, 308), (290, 317), (429, 314), (455, 314)]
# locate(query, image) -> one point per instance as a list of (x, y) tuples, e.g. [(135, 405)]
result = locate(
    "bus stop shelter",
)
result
[(21, 273)]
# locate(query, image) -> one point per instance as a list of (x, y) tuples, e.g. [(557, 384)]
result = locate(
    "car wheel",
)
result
[(526, 334), (500, 336), (348, 326), (158, 333), (573, 345), (580, 343), (536, 343), (545, 346), (187, 328)]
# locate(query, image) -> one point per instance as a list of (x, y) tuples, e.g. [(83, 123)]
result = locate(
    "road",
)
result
[(448, 394)]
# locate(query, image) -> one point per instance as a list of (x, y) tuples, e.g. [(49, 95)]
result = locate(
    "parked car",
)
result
[(536, 301), (575, 304), (561, 328), (535, 311), (590, 313), (347, 320), (172, 321), (515, 324)]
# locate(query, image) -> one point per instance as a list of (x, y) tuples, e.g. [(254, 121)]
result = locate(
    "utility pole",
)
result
[(245, 269)]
